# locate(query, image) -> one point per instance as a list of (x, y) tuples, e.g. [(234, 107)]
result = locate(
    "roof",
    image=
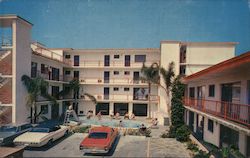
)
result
[(225, 65), (101, 129), (13, 16), (200, 43)]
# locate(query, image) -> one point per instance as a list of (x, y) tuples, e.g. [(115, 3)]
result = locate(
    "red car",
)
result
[(99, 140)]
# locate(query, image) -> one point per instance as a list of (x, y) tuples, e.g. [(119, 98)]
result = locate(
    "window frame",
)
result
[(116, 89), (140, 61), (116, 56), (210, 125)]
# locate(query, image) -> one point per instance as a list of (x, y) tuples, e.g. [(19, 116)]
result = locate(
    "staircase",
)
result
[(4, 53), (68, 114), (5, 115), (5, 91), (5, 62), (3, 81)]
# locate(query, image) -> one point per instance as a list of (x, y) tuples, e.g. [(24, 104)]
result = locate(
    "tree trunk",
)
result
[(169, 108), (35, 114), (31, 115), (149, 100)]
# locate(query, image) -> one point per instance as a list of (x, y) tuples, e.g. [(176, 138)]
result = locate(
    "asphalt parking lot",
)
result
[(124, 146)]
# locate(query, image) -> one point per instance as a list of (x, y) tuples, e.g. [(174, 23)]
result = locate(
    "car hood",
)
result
[(6, 134), (90, 142), (31, 137)]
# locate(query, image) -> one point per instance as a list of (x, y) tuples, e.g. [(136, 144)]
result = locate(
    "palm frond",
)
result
[(91, 97)]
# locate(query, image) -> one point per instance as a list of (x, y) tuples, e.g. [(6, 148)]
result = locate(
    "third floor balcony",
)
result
[(112, 64)]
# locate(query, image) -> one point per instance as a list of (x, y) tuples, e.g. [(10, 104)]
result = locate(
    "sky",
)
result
[(133, 23)]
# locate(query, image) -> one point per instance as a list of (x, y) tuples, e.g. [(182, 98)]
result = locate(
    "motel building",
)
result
[(112, 76), (217, 103)]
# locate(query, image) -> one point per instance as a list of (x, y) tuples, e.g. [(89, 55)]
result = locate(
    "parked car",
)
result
[(9, 132), (99, 140), (43, 134)]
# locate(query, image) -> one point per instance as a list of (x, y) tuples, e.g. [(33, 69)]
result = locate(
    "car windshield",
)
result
[(8, 129), (98, 135), (41, 130)]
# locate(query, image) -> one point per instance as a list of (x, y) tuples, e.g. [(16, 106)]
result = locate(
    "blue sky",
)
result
[(133, 23)]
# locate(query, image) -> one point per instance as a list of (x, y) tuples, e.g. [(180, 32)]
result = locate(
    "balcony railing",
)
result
[(120, 97), (239, 113), (52, 77), (6, 41), (51, 55), (100, 63), (110, 81)]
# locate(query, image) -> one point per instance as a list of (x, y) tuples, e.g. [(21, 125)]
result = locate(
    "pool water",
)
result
[(110, 122)]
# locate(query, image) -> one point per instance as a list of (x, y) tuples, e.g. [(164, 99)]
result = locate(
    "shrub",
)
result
[(202, 154), (192, 146), (164, 135), (182, 133), (81, 129)]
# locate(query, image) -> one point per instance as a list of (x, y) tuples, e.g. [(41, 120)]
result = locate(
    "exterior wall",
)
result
[(170, 52), (21, 66), (212, 137), (203, 54)]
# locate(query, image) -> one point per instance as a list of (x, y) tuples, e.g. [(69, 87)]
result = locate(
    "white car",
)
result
[(41, 135)]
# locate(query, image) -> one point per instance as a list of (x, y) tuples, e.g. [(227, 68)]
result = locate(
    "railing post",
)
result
[(225, 110)]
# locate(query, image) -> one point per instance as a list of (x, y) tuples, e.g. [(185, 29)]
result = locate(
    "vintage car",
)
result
[(9, 132), (44, 134), (99, 140)]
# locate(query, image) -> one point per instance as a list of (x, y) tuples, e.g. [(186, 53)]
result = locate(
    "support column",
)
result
[(242, 143), (111, 108), (130, 108)]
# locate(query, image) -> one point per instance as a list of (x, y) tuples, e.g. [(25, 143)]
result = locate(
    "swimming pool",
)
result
[(110, 122)]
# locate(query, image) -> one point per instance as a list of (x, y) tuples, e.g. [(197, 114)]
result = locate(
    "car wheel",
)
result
[(50, 142), (66, 133)]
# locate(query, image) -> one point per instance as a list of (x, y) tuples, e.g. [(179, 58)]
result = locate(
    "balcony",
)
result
[(50, 55), (50, 77), (115, 81), (112, 64), (239, 113), (122, 98)]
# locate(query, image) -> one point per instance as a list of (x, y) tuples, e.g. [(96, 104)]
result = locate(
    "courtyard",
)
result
[(124, 146)]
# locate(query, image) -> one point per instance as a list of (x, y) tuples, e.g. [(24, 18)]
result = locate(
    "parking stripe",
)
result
[(148, 147)]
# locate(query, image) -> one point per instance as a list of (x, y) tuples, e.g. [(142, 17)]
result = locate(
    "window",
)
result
[(140, 58), (211, 91), (116, 89), (55, 91), (76, 74), (210, 126), (116, 72), (44, 69), (182, 70), (67, 56), (44, 109), (67, 72), (76, 60), (126, 89), (116, 56), (33, 69), (126, 73)]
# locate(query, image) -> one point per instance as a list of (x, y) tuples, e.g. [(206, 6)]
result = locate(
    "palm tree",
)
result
[(36, 87), (151, 76), (168, 76), (74, 85)]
